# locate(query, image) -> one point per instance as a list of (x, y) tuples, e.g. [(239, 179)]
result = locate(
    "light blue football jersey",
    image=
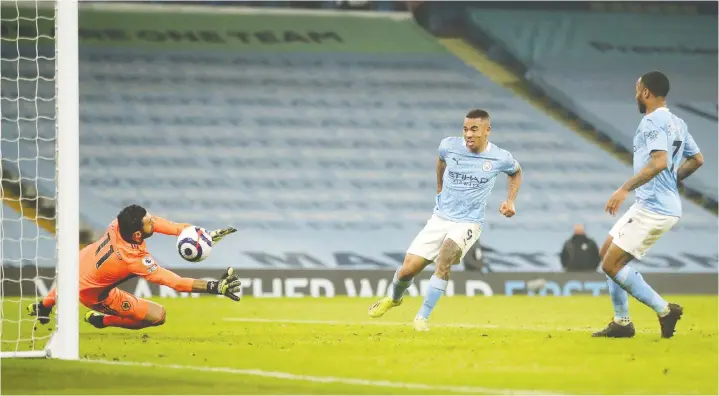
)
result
[(662, 130), (469, 178)]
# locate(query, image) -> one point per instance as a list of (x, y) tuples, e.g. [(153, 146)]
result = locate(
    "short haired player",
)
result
[(660, 143), (121, 254), (467, 168)]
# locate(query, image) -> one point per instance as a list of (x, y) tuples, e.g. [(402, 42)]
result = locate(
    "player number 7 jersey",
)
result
[(662, 131)]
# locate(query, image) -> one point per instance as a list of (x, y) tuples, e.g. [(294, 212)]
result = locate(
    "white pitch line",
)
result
[(409, 324), (344, 323), (326, 380)]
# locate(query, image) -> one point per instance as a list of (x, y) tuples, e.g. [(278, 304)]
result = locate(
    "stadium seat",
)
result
[(322, 155), (590, 62)]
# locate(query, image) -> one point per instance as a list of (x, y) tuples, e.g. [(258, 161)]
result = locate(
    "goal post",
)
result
[(40, 174), (65, 344)]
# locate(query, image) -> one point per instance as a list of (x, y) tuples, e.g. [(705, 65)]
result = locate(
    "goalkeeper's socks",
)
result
[(632, 282), (397, 287), (435, 290), (620, 301)]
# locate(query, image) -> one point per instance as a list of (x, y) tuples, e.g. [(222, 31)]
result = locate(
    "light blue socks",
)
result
[(631, 281), (435, 290), (620, 301)]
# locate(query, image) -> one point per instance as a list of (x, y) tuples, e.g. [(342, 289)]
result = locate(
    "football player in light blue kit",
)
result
[(660, 144), (467, 168)]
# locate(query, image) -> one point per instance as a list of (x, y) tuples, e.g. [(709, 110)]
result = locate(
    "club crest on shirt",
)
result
[(651, 136), (487, 166)]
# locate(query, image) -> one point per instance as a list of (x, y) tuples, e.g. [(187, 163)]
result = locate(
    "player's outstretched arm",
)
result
[(228, 285), (656, 164), (689, 166), (167, 227)]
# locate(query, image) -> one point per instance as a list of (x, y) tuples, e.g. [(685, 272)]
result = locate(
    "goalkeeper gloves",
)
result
[(229, 285), (217, 235)]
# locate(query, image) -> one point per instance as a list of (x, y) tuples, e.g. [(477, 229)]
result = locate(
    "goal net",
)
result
[(39, 173)]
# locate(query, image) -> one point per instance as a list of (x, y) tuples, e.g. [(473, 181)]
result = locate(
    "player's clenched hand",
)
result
[(616, 200), (507, 209), (229, 285), (217, 235)]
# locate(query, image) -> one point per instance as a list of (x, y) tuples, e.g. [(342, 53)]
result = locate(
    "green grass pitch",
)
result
[(330, 346)]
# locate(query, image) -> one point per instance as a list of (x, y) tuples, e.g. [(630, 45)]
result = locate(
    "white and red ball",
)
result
[(194, 244)]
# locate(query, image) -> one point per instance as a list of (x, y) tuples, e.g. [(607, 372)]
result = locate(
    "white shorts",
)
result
[(428, 242), (639, 229)]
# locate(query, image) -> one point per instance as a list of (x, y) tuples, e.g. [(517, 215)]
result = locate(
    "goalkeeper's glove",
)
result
[(217, 235), (229, 285)]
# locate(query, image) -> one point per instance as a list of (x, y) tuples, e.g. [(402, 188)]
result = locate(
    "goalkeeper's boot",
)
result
[(39, 310), (95, 318), (669, 322), (615, 330), (420, 324), (382, 306)]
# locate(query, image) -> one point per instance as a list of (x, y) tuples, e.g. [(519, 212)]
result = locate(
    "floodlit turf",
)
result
[(513, 343)]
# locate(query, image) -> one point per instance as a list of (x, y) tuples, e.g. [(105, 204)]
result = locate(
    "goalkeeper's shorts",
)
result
[(119, 303)]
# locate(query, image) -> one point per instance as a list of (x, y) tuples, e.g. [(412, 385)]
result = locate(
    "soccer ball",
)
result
[(194, 244)]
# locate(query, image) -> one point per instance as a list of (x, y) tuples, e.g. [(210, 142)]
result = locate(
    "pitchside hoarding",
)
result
[(326, 283)]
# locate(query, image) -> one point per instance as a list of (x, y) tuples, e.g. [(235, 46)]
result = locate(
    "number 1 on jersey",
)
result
[(105, 256)]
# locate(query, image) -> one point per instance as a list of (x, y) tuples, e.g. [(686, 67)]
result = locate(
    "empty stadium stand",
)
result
[(591, 68), (23, 242), (326, 158)]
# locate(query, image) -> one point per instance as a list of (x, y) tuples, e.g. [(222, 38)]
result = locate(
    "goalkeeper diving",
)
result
[(121, 254)]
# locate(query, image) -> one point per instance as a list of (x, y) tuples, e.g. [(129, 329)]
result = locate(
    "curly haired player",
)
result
[(121, 254)]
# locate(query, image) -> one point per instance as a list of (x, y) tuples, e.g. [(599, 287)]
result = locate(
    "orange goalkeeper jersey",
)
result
[(111, 261)]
